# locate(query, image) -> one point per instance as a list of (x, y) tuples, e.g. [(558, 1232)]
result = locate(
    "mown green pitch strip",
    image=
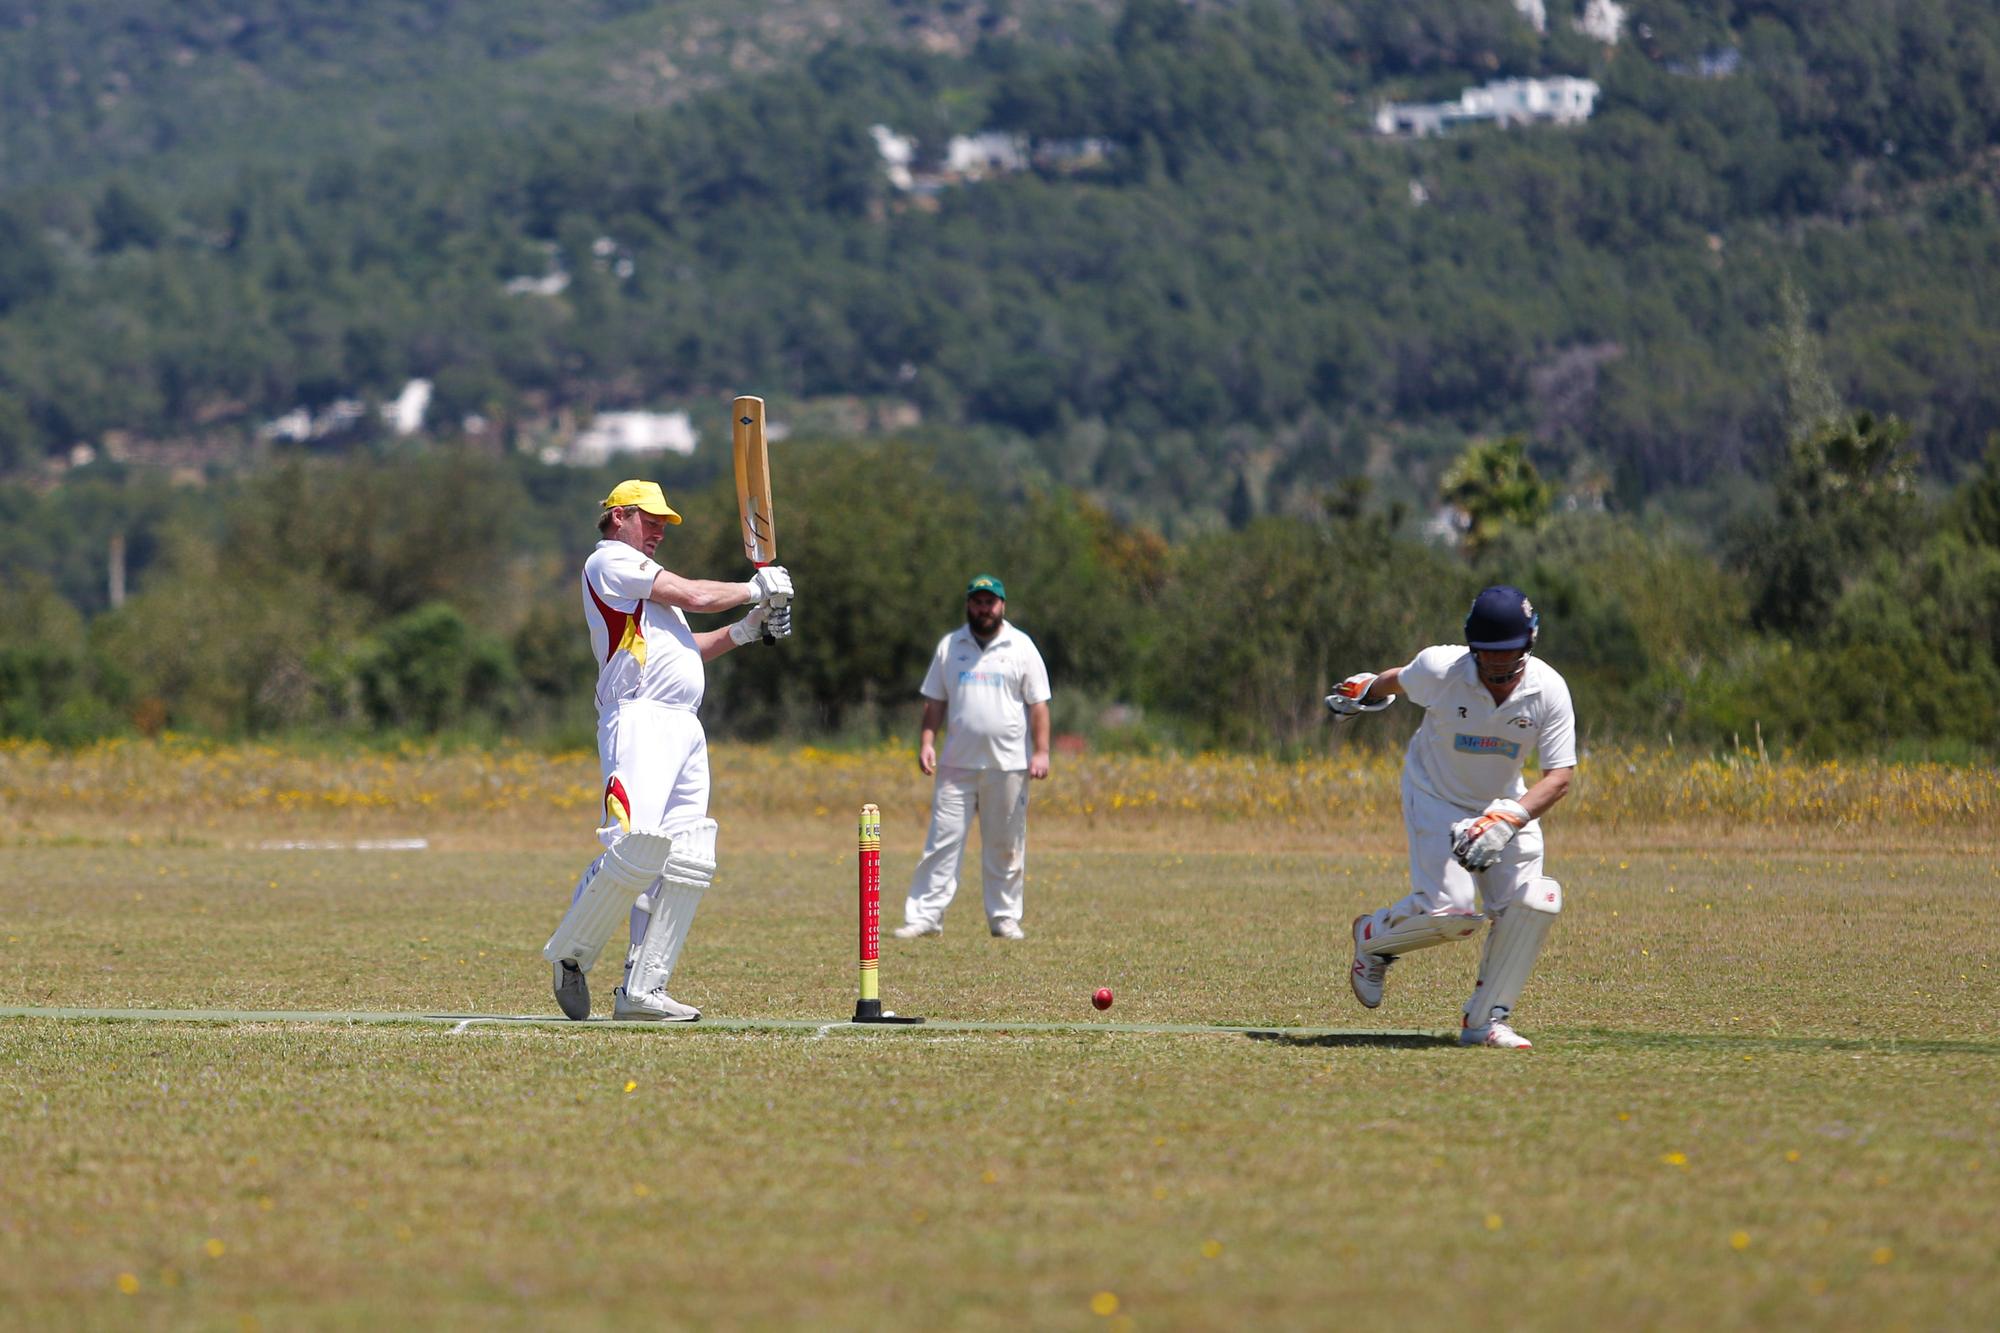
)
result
[(465, 1022)]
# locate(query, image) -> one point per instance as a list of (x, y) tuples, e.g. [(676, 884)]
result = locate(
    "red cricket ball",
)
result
[(1103, 997)]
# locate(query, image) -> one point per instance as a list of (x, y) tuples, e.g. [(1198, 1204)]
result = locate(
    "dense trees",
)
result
[(1249, 258), (1140, 379), (429, 595)]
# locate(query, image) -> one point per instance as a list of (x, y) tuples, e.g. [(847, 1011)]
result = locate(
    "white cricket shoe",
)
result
[(655, 1006), (1370, 970), (916, 930), (1006, 928), (572, 991), (1495, 1033)]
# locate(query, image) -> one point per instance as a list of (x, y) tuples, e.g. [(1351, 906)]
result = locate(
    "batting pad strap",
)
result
[(1388, 934), (1511, 949), (606, 895)]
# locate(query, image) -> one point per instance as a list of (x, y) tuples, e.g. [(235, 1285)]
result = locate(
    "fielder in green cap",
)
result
[(987, 678)]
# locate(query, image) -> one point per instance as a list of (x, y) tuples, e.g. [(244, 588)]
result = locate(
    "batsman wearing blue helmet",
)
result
[(1474, 824)]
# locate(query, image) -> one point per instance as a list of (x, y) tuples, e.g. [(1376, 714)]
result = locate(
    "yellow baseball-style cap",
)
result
[(645, 495)]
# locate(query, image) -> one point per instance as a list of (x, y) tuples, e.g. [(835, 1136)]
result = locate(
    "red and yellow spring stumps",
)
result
[(868, 1009)]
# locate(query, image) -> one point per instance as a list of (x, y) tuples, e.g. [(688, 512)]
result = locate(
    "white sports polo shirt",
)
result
[(1470, 751), (986, 693), (643, 650)]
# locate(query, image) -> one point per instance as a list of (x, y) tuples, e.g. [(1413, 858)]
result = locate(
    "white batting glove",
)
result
[(1477, 843), (772, 583), (1347, 701), (769, 623), (778, 621)]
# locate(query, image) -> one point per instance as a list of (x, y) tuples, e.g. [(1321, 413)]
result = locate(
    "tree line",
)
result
[(437, 595)]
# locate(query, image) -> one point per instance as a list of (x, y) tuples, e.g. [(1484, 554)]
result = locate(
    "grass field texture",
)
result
[(1761, 1096)]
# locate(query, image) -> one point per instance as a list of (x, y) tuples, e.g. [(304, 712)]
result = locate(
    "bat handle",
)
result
[(774, 602)]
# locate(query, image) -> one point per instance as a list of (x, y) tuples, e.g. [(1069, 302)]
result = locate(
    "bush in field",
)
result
[(230, 649), (46, 675), (439, 527), (429, 670), (1633, 615), (1256, 626)]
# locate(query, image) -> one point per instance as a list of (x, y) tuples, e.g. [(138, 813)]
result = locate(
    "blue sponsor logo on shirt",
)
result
[(991, 679), (1486, 745)]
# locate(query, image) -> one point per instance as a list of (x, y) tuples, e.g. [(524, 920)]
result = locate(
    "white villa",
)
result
[(613, 433), (1504, 102)]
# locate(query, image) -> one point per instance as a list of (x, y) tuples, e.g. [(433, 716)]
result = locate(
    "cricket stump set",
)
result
[(868, 1009)]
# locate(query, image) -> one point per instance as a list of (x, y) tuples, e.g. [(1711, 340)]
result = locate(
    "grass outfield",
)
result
[(1762, 1093)]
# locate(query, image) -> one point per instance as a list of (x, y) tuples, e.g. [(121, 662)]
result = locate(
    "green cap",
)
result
[(987, 583)]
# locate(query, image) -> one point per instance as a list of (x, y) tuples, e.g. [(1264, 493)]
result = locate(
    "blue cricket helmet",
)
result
[(1502, 618)]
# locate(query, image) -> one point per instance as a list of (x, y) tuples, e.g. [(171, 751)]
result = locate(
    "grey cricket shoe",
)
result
[(572, 991), (1006, 928), (916, 930), (655, 1006)]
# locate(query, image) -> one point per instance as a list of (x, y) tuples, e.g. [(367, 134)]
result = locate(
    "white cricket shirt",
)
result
[(1469, 750), (643, 650), (986, 693)]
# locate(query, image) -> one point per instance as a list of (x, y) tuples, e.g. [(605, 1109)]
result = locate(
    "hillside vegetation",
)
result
[(1246, 298), (1192, 393)]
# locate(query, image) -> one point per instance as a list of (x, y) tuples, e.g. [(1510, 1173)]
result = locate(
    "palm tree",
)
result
[(1498, 489)]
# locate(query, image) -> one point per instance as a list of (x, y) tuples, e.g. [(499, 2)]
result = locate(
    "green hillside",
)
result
[(1252, 296), (193, 92), (1707, 372)]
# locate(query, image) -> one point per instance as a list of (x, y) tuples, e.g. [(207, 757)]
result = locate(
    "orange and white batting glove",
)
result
[(1349, 698), (1478, 842)]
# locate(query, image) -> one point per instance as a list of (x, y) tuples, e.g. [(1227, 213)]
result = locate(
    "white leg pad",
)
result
[(689, 871), (1511, 949), (605, 894), (1389, 933)]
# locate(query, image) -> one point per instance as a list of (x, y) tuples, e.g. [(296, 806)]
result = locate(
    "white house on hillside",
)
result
[(613, 433), (988, 153), (1504, 102)]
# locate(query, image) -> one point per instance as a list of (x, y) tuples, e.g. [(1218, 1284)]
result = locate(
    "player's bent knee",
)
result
[(1543, 895), (626, 870), (692, 859), (689, 872)]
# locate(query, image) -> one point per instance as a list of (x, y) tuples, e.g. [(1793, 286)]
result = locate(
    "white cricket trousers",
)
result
[(655, 763), (1438, 883), (1000, 798)]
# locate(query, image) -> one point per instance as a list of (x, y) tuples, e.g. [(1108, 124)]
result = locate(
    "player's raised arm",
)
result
[(701, 595)]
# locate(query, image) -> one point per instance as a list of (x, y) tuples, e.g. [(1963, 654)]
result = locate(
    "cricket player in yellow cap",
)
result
[(659, 842)]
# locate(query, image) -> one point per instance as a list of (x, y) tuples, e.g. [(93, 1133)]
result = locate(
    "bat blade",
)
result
[(753, 481)]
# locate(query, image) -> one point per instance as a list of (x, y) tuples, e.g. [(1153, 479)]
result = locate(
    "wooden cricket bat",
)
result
[(753, 484)]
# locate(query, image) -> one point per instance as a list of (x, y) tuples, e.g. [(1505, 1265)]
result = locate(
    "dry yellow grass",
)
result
[(184, 790)]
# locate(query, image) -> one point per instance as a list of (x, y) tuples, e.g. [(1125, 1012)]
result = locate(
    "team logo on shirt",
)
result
[(1465, 744), (992, 679)]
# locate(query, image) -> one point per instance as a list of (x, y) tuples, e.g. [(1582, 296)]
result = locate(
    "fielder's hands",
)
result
[(1349, 698), (1477, 843), (773, 583)]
